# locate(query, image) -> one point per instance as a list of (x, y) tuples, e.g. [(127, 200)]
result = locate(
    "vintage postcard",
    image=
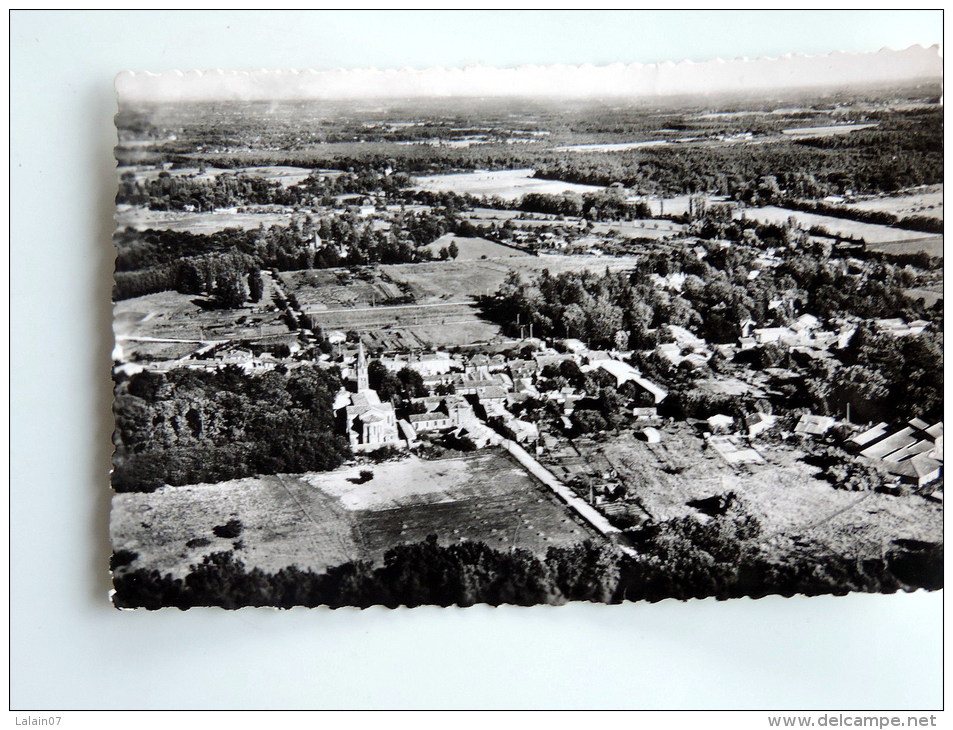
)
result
[(529, 336)]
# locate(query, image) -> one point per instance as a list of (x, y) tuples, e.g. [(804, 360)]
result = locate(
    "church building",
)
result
[(369, 423)]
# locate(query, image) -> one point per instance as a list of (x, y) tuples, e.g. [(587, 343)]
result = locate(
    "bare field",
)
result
[(316, 520), (613, 146), (141, 324), (784, 494), (649, 228), (870, 232), (507, 184), (927, 203), (677, 205)]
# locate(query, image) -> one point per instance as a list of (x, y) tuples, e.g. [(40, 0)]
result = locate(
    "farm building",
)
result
[(428, 364), (912, 452), (651, 435), (520, 431), (899, 328)]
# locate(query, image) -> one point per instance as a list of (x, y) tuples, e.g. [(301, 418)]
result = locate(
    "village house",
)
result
[(811, 425), (441, 412), (720, 423), (758, 423), (625, 373)]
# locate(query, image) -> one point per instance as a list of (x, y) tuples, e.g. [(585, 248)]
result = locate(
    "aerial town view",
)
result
[(519, 351)]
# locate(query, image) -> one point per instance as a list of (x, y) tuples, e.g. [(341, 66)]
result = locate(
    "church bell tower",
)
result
[(362, 381)]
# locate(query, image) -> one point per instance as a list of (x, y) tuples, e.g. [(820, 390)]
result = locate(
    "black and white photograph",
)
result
[(509, 360), (531, 336)]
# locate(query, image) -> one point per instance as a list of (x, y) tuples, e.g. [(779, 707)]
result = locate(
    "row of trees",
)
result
[(187, 426), (230, 190)]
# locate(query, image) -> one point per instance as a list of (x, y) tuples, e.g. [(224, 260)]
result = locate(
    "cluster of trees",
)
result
[(395, 387), (227, 279), (180, 192), (231, 190), (681, 558), (881, 377), (188, 426), (715, 298), (158, 260), (602, 205)]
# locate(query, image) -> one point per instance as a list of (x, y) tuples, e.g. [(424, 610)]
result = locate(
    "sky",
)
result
[(616, 80)]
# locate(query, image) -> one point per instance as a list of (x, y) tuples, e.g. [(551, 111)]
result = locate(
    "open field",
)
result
[(932, 245), (507, 184), (654, 229), (784, 494), (444, 310), (287, 176), (141, 324), (451, 280), (473, 248), (613, 146), (141, 219), (321, 289), (320, 519), (870, 232), (829, 130), (930, 295), (928, 202), (677, 205), (411, 326)]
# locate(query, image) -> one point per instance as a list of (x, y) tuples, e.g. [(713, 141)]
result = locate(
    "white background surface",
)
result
[(71, 650)]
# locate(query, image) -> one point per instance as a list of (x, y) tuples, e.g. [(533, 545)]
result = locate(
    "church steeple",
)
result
[(362, 381)]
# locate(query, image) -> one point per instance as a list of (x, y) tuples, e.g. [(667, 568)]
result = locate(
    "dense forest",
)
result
[(188, 426), (906, 153)]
